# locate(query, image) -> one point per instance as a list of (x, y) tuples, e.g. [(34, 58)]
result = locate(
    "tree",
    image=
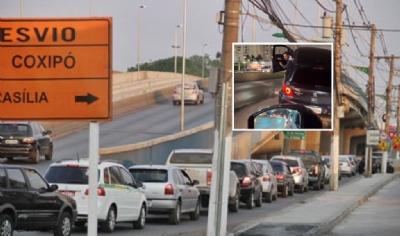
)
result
[(259, 58)]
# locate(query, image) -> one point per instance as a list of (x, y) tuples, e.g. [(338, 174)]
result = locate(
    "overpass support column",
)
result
[(343, 141)]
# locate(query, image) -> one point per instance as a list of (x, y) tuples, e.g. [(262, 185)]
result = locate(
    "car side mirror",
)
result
[(284, 116), (47, 132), (53, 187), (139, 185), (341, 164), (195, 182)]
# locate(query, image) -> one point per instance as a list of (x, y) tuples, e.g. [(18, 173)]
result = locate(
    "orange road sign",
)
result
[(56, 69)]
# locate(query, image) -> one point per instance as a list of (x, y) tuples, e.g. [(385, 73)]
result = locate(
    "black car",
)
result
[(376, 166), (25, 139), (308, 79), (315, 167), (29, 203), (250, 185), (284, 178)]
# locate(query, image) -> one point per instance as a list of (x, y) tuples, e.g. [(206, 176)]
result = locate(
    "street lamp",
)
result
[(138, 39), (202, 69), (183, 68), (176, 46)]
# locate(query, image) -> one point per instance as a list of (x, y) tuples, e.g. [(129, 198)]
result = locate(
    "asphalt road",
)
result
[(159, 226), (153, 122)]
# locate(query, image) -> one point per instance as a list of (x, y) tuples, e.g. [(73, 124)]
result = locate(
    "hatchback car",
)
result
[(170, 191), (308, 79), (298, 169), (349, 167), (284, 177), (120, 197), (192, 93), (25, 139), (250, 185), (268, 180)]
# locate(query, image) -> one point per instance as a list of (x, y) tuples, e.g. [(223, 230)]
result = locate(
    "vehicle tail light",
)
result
[(316, 169), (28, 140), (280, 177), (175, 92), (297, 171), (287, 90), (169, 189), (194, 92), (266, 178), (246, 181), (72, 165), (348, 164), (209, 177), (100, 192)]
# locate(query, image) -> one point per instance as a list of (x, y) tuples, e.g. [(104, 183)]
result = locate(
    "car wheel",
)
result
[(109, 225), (268, 197), (275, 196), (322, 184), (6, 225), (64, 226), (49, 155), (306, 188), (285, 191), (141, 222), (36, 157), (301, 188), (234, 207), (258, 201), (196, 213), (291, 191), (250, 201), (175, 216), (197, 101), (317, 186)]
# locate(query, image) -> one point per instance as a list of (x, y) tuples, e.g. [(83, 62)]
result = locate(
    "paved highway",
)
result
[(159, 226), (153, 122)]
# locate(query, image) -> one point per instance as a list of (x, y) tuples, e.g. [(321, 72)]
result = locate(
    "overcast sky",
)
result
[(160, 17)]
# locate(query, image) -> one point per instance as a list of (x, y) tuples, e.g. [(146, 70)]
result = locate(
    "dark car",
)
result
[(376, 166), (315, 167), (250, 185), (25, 139), (29, 203), (284, 177), (308, 79)]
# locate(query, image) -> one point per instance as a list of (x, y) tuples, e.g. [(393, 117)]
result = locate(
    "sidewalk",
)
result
[(319, 214)]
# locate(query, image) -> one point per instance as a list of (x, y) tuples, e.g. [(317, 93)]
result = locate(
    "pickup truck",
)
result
[(198, 164)]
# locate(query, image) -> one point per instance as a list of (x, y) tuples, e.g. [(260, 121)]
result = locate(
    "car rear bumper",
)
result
[(160, 206), (187, 97), (320, 109)]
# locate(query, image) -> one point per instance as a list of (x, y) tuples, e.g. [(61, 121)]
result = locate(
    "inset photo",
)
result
[(282, 86)]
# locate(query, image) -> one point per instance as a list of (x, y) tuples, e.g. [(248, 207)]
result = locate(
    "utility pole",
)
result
[(334, 179), (218, 205), (371, 101)]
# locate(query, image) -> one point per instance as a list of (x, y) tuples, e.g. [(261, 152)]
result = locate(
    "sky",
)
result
[(158, 21)]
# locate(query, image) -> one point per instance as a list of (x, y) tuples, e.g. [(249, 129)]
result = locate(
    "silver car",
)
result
[(349, 167), (298, 169), (169, 190), (269, 182), (193, 92)]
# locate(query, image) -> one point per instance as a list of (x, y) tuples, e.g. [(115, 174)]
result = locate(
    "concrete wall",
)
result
[(348, 134)]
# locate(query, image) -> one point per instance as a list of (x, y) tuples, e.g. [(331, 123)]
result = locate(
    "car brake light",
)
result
[(175, 91), (316, 169), (280, 177), (169, 190), (287, 90), (72, 165), (28, 140), (100, 192), (194, 92), (209, 177), (246, 181), (318, 68), (297, 170), (266, 178)]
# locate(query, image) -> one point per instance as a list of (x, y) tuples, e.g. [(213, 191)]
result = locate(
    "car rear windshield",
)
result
[(187, 86), (239, 169), (290, 162), (306, 158), (277, 167), (150, 175), (15, 129), (191, 158), (68, 175), (343, 159), (316, 76)]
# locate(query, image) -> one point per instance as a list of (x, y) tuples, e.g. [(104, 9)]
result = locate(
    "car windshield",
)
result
[(150, 175), (68, 175), (315, 76), (187, 86), (277, 167), (290, 162), (239, 169), (15, 129), (191, 158)]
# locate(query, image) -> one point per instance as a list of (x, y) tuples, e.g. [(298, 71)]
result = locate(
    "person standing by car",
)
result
[(288, 58)]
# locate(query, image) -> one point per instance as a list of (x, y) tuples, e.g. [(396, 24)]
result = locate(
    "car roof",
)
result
[(286, 157), (164, 167), (16, 167), (84, 162), (17, 122)]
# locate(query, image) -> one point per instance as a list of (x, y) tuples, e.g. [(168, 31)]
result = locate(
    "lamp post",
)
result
[(176, 46), (202, 69), (138, 39), (183, 69)]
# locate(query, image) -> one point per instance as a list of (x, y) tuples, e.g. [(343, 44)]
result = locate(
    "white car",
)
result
[(120, 197), (269, 182), (170, 191)]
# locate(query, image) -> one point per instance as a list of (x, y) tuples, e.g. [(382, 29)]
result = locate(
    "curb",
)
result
[(325, 228)]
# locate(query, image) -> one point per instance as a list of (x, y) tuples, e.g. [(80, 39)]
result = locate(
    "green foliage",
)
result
[(194, 65)]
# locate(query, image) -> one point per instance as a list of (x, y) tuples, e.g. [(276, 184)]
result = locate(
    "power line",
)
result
[(352, 34), (345, 26), (323, 7)]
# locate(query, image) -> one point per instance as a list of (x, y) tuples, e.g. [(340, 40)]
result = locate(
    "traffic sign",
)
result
[(372, 137), (383, 145), (383, 135), (56, 69), (294, 135)]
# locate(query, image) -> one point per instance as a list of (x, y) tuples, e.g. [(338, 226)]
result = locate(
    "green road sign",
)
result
[(294, 135)]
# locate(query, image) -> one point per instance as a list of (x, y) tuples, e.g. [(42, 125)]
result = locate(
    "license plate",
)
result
[(149, 203), (11, 141), (68, 193)]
